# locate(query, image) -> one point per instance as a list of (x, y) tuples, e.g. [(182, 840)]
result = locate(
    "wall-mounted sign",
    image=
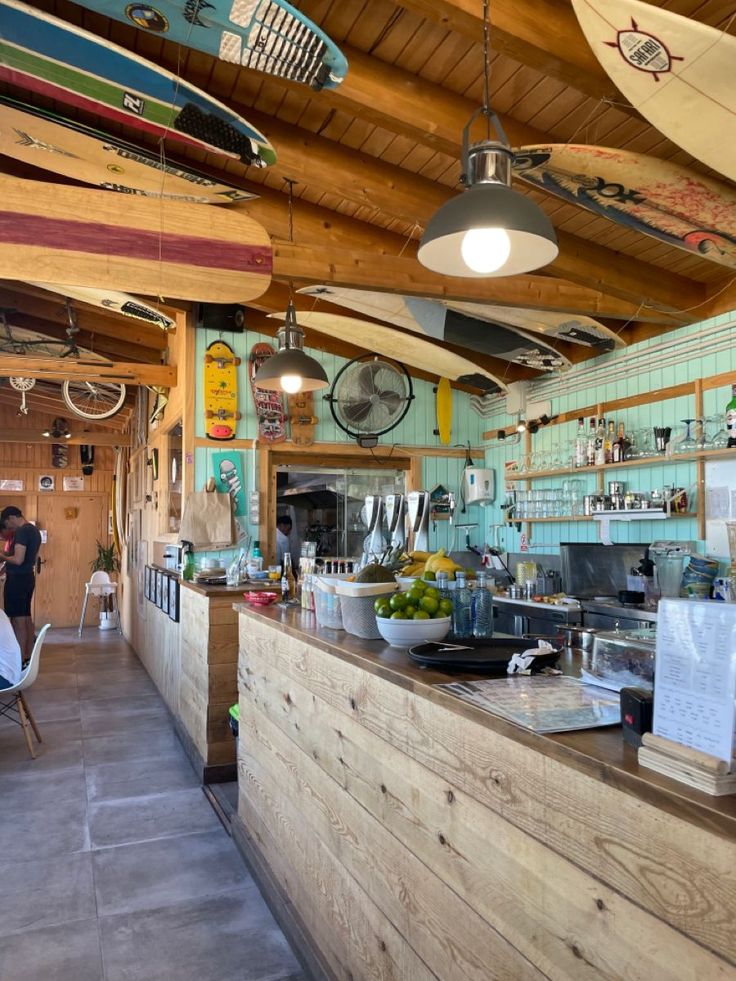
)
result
[(228, 467), (73, 483), (11, 485), (46, 482)]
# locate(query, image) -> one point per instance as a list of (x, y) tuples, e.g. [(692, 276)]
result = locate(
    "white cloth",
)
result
[(10, 661), (283, 545), (521, 662)]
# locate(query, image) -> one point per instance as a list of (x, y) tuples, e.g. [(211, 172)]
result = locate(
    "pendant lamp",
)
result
[(490, 229), (291, 370)]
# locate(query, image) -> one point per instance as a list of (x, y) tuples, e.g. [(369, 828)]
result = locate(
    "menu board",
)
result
[(542, 703), (695, 675)]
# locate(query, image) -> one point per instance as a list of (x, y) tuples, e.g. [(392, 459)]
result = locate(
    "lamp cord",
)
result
[(487, 66), (290, 184)]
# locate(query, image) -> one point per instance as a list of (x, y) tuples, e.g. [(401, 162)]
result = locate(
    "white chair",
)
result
[(12, 700), (101, 586)]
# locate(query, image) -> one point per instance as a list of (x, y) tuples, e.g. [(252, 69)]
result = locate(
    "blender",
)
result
[(668, 558), (396, 520), (417, 506)]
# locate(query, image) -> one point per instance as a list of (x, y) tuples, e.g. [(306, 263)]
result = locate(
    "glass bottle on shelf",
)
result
[(581, 444), (600, 443), (462, 609), (482, 609), (609, 441), (620, 445), (731, 419), (590, 451), (288, 582)]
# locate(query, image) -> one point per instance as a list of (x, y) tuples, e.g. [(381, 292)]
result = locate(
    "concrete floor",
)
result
[(113, 865)]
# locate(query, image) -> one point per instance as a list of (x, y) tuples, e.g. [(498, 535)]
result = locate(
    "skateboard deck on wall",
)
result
[(269, 405), (64, 147), (673, 204), (443, 401), (221, 413), (435, 320), (416, 352), (123, 303), (302, 420), (77, 236), (55, 59), (676, 72), (269, 36)]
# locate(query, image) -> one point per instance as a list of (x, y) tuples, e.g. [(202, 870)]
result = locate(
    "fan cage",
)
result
[(397, 367)]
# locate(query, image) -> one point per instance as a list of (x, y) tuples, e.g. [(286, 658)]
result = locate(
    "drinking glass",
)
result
[(688, 443), (644, 441), (716, 434)]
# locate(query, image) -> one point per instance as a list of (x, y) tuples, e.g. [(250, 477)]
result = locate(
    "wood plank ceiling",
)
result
[(373, 159)]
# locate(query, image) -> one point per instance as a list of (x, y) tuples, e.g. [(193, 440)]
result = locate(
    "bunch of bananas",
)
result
[(424, 563)]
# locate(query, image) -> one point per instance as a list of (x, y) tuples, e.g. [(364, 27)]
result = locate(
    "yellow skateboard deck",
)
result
[(444, 411), (220, 391)]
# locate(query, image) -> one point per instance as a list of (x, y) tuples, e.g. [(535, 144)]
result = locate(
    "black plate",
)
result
[(481, 657)]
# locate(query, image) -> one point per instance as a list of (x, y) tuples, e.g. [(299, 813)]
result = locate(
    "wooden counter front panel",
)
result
[(209, 655), (448, 844)]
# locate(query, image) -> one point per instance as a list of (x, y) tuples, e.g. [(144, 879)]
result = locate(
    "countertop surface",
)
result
[(601, 753), (234, 591)]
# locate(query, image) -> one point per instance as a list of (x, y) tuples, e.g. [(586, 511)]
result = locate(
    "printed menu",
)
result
[(695, 675)]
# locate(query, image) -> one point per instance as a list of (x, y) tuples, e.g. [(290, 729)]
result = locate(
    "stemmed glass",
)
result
[(688, 444)]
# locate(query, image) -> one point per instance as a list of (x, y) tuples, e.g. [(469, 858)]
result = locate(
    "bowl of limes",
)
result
[(412, 617)]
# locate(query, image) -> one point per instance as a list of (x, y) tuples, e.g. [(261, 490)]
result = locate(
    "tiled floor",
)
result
[(113, 865)]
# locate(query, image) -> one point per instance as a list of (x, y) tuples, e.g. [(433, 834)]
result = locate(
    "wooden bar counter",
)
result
[(402, 834)]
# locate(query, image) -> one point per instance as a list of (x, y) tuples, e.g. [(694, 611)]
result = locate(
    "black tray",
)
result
[(481, 657)]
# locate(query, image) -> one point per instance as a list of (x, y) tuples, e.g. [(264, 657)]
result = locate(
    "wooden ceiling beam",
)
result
[(402, 274), (98, 344), (543, 34), (61, 369), (48, 405), (374, 184), (48, 306), (276, 298)]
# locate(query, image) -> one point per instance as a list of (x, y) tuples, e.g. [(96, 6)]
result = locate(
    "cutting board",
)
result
[(82, 237), (676, 72)]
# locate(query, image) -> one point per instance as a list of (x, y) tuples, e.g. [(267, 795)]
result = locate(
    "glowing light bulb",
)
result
[(485, 250), (291, 383)]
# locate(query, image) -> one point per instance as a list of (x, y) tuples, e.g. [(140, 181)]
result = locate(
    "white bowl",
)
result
[(407, 633)]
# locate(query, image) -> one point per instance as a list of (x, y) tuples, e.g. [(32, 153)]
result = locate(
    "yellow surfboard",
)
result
[(444, 411)]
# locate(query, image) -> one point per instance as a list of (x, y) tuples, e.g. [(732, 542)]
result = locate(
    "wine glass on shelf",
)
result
[(688, 443), (716, 434)]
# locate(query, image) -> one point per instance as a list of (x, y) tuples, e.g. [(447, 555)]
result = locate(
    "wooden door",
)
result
[(73, 525)]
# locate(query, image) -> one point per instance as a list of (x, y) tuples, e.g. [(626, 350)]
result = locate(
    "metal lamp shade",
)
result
[(291, 362), (488, 205)]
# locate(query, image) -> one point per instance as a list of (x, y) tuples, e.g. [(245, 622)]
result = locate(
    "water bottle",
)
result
[(462, 609), (483, 614)]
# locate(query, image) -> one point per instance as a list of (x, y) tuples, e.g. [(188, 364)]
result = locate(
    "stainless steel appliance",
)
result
[(417, 505), (592, 569), (543, 619), (396, 519), (611, 615), (374, 542)]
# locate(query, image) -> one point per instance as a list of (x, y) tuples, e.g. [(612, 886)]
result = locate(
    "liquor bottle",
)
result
[(462, 609), (257, 557), (609, 441), (581, 444), (289, 577), (482, 609), (590, 451), (731, 419), (600, 441), (620, 445)]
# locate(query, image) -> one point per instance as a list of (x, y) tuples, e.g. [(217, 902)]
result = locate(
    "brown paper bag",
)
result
[(207, 520)]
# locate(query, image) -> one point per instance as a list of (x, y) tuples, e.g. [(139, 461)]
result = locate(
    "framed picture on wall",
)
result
[(174, 599), (147, 581), (165, 594), (159, 587)]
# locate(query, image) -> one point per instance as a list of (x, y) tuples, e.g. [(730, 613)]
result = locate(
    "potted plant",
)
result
[(106, 561)]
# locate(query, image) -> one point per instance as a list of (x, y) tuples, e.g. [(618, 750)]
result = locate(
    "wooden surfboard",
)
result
[(76, 236), (676, 72), (670, 203), (220, 388), (443, 400), (45, 140), (55, 59), (123, 303), (269, 405), (439, 321), (270, 36), (413, 351)]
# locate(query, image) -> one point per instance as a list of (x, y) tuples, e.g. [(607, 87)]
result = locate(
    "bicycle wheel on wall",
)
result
[(93, 400)]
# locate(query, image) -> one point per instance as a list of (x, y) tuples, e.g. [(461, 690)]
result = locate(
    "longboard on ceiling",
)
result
[(672, 204), (437, 320), (48, 56), (270, 36), (676, 72), (77, 236), (64, 147), (416, 352), (122, 303)]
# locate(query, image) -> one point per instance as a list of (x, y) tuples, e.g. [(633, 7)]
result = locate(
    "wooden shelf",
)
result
[(652, 515), (649, 461)]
